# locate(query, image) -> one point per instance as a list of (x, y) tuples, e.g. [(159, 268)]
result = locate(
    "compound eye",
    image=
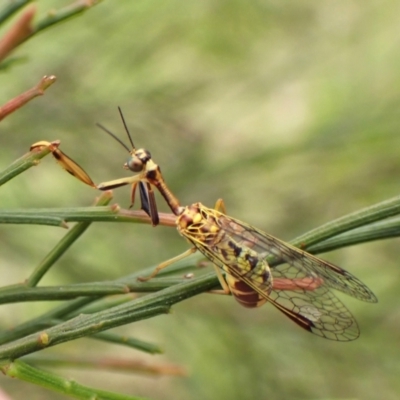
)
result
[(134, 164)]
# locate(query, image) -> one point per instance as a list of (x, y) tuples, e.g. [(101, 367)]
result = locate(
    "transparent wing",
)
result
[(318, 310), (299, 264), (327, 315)]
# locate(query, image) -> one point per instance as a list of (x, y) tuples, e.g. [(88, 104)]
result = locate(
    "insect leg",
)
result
[(220, 206), (225, 287), (167, 263), (66, 163), (148, 200)]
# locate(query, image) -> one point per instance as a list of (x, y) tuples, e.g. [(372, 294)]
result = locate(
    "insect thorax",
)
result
[(200, 225)]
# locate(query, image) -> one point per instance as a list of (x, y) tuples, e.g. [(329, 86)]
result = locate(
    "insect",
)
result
[(258, 267), (135, 162)]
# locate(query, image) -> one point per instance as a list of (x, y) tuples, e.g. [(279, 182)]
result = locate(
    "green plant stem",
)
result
[(129, 342), (57, 16), (75, 307), (77, 214), (25, 293), (22, 293), (59, 216), (28, 373), (23, 163), (84, 325), (10, 217), (103, 336), (386, 229), (63, 245), (11, 8), (44, 320), (348, 222), (78, 327), (102, 304), (130, 365)]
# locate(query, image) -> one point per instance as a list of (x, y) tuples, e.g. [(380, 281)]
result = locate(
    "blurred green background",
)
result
[(289, 110)]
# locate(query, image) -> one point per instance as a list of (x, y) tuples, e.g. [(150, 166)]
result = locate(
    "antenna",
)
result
[(126, 127), (114, 136)]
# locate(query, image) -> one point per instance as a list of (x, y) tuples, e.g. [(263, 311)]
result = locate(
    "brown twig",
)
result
[(23, 98), (18, 33)]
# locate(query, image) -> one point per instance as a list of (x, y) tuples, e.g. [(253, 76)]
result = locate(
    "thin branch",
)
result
[(22, 99), (28, 373), (18, 33)]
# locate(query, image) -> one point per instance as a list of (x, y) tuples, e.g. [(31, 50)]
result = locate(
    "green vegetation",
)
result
[(287, 110)]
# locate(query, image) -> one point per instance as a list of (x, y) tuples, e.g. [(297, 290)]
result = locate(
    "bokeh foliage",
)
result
[(287, 110)]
